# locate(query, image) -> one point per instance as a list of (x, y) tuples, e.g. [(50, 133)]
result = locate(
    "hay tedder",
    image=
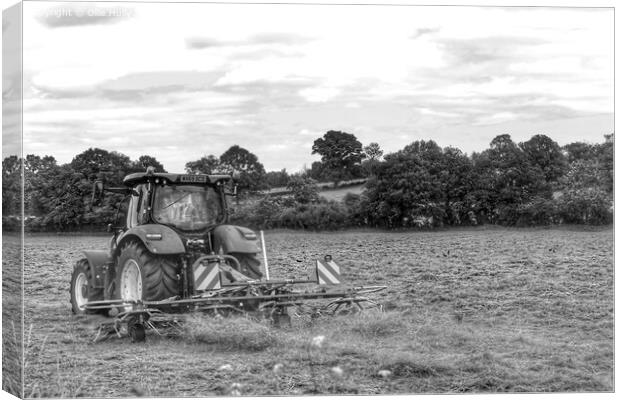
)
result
[(173, 253)]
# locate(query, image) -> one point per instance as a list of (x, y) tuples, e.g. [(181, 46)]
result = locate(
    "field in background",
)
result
[(339, 193), (472, 310), (327, 189)]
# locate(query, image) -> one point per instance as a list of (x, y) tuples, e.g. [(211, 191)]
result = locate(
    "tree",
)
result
[(373, 155), (542, 151), (578, 151), (146, 161), (205, 165), (277, 178), (39, 174), (341, 154), (67, 199), (252, 172), (373, 151), (98, 163), (11, 186), (407, 187), (75, 207), (585, 198), (304, 189), (317, 172), (514, 179), (457, 182), (605, 158)]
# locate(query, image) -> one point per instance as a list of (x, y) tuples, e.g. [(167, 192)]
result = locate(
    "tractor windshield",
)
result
[(187, 207)]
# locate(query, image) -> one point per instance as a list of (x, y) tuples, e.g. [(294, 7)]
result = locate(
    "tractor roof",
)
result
[(143, 177)]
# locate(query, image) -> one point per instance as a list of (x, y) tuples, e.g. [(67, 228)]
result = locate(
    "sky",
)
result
[(181, 81)]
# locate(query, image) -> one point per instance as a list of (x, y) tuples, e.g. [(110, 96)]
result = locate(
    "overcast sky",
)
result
[(180, 81)]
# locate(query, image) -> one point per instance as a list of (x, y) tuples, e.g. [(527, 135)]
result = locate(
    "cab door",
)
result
[(138, 207)]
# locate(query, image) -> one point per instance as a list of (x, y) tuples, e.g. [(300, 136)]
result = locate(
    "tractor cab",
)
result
[(190, 204)]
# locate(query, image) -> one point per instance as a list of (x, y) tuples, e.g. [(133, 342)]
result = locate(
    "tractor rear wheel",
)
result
[(145, 276), (249, 264), (79, 290)]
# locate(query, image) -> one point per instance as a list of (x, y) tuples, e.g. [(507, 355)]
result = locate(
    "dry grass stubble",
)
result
[(503, 310)]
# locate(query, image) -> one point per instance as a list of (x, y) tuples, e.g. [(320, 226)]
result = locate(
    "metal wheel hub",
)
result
[(131, 281), (81, 290)]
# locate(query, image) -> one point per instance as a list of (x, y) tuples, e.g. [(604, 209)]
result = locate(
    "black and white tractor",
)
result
[(174, 226)]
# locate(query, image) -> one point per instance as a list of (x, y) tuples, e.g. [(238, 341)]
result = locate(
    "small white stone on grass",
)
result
[(277, 368), (317, 341), (235, 389), (225, 367), (336, 371), (384, 373)]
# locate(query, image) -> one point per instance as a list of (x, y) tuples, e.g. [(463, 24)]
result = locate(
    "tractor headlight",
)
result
[(153, 236), (249, 235)]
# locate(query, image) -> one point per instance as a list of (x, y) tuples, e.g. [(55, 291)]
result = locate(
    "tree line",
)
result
[(536, 182)]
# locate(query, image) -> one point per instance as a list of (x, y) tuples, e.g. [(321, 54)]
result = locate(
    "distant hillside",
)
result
[(327, 189), (339, 193)]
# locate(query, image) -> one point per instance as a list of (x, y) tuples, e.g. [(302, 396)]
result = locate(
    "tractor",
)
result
[(173, 251)]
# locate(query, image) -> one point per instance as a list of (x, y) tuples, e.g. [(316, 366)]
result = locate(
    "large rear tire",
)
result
[(249, 264), (145, 276), (79, 290)]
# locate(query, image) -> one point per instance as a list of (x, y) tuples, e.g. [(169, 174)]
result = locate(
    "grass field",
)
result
[(339, 193), (472, 310)]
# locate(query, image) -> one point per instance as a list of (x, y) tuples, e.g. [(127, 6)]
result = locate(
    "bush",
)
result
[(355, 206), (11, 223), (304, 189), (506, 214), (285, 212), (538, 211), (586, 206), (316, 216)]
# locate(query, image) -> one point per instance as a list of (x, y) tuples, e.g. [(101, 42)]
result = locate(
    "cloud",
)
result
[(277, 77), (199, 43), (481, 50), (67, 15), (290, 39), (319, 94), (263, 53), (269, 38), (129, 87), (424, 31)]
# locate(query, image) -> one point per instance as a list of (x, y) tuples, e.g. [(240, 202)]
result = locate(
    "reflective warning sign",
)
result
[(207, 277), (328, 272)]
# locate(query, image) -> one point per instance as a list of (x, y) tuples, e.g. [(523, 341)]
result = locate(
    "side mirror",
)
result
[(233, 193)]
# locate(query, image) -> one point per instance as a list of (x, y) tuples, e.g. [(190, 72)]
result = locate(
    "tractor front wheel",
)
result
[(145, 276), (79, 289)]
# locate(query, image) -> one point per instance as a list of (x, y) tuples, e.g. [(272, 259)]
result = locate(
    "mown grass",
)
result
[(12, 340), (504, 311), (235, 333), (11, 360), (250, 357)]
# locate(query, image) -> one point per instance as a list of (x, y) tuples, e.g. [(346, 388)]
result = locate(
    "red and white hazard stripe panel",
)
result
[(207, 277), (328, 272)]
